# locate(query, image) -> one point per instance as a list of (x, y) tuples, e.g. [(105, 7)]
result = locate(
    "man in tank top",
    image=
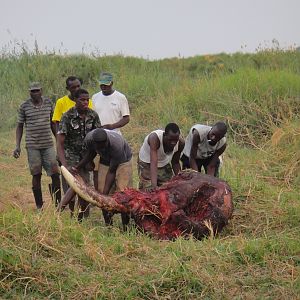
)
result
[(159, 157), (203, 147)]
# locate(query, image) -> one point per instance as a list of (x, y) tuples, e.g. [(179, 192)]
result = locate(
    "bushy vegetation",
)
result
[(256, 257)]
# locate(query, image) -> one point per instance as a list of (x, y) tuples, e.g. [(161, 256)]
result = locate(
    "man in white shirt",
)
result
[(111, 105), (203, 147)]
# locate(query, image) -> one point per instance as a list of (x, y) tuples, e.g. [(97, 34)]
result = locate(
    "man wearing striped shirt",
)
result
[(36, 113)]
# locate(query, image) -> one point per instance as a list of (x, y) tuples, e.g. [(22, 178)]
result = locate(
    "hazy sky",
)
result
[(152, 28)]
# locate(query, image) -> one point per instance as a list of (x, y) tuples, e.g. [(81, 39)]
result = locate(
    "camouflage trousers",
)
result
[(163, 174)]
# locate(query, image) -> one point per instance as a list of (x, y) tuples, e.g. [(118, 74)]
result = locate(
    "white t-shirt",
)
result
[(162, 158), (111, 108), (205, 150)]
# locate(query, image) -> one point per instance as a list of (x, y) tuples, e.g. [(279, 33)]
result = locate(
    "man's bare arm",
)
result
[(125, 120), (54, 129), (109, 180), (61, 149), (176, 157), (194, 149), (55, 125), (154, 144), (87, 157), (19, 134), (211, 167)]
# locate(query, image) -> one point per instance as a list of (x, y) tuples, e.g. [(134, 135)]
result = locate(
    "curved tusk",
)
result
[(89, 194), (77, 186)]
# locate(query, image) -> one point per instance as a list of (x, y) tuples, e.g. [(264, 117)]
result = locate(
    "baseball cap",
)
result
[(34, 86), (105, 78)]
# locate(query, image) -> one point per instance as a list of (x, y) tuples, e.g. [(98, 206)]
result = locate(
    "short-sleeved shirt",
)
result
[(112, 108), (37, 121), (117, 152), (63, 105), (204, 150), (75, 129)]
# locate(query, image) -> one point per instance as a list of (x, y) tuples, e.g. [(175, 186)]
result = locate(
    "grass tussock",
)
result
[(257, 255)]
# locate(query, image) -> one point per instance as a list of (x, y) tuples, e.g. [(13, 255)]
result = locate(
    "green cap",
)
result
[(34, 86), (105, 78)]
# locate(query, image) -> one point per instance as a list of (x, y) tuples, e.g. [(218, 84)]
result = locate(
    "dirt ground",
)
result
[(15, 178), (15, 190)]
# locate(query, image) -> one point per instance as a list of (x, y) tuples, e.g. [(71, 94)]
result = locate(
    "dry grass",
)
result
[(257, 256), (47, 255)]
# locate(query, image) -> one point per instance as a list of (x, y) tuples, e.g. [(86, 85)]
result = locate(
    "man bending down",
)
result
[(115, 171), (203, 147), (159, 157)]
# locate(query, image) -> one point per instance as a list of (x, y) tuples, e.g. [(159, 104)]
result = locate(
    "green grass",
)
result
[(82, 261), (257, 256)]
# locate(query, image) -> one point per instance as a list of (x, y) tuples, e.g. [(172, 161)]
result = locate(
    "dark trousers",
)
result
[(200, 163), (84, 205)]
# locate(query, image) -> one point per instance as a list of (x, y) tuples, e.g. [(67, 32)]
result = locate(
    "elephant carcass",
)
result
[(190, 203)]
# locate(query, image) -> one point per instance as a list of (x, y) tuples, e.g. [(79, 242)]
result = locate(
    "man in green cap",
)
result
[(36, 113), (111, 105)]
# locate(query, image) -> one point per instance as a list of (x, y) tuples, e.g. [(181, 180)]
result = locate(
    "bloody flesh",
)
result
[(189, 204)]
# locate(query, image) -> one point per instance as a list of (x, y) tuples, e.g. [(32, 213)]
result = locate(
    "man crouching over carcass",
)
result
[(115, 171), (159, 157)]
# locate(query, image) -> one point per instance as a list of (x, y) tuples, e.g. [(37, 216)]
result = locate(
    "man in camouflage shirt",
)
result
[(73, 127)]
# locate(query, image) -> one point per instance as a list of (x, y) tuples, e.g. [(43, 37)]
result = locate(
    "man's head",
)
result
[(171, 136), (99, 136), (216, 133), (106, 83), (73, 84), (35, 90), (81, 98)]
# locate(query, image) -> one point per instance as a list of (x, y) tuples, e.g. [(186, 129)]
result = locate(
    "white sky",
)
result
[(150, 28)]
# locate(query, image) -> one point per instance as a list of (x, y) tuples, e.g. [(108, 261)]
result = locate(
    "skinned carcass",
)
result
[(190, 203)]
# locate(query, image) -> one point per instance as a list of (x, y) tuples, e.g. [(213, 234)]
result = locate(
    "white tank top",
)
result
[(204, 150), (162, 158)]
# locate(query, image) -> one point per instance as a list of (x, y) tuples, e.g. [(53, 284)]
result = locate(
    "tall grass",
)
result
[(183, 80), (255, 257)]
